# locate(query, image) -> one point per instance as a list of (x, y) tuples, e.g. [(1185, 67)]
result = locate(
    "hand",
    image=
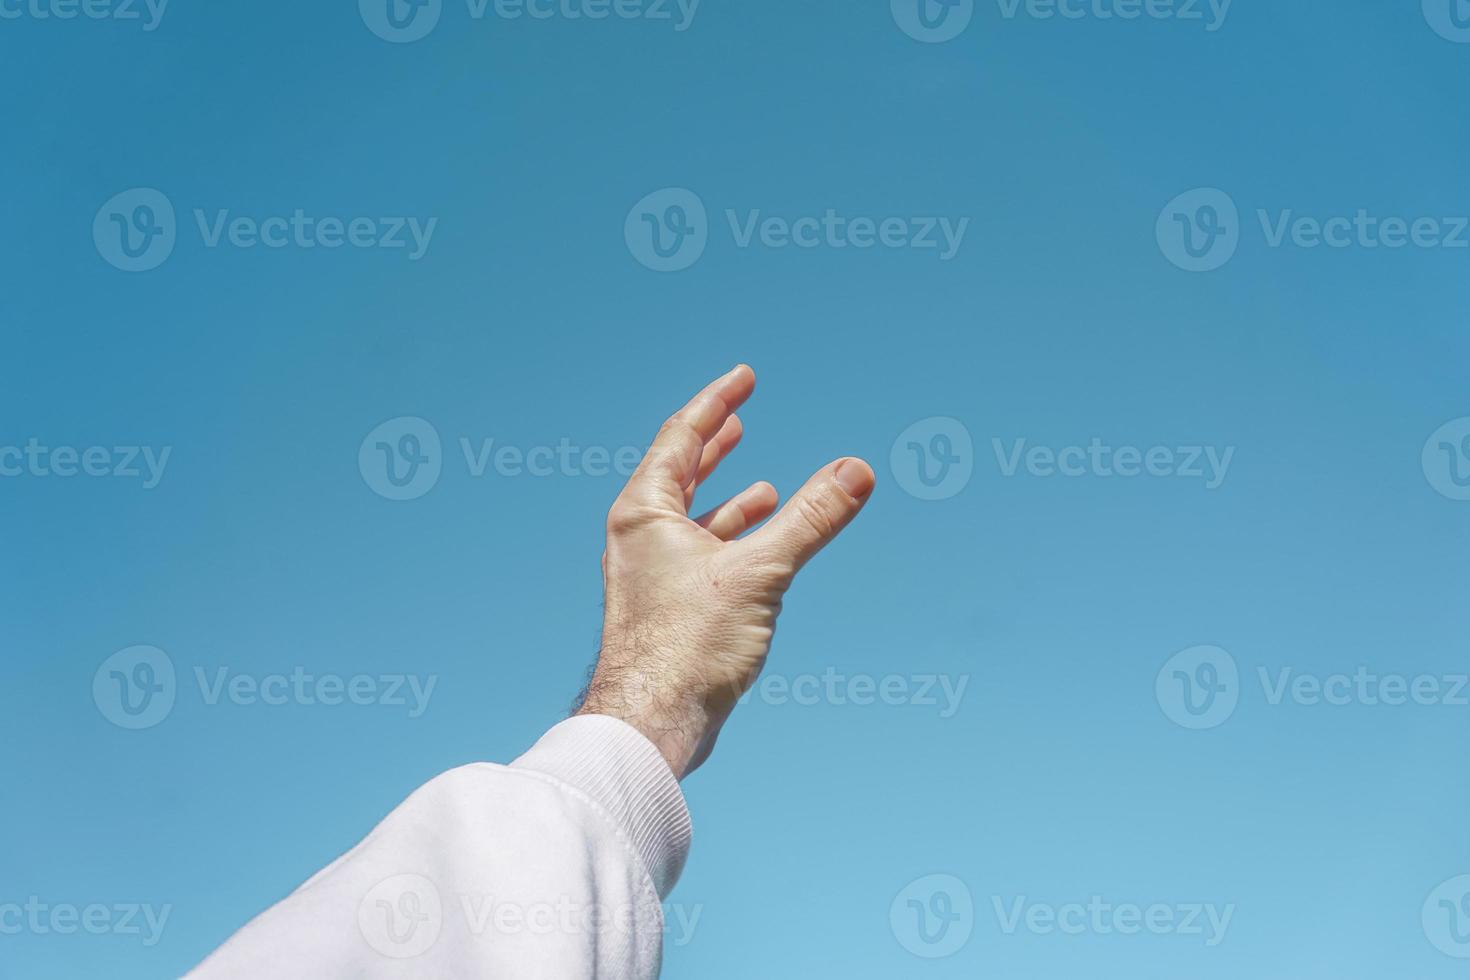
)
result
[(690, 606)]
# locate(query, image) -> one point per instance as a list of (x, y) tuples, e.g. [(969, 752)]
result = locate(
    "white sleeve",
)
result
[(552, 867)]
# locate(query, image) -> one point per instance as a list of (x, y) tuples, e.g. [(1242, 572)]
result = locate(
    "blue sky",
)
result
[(1222, 253)]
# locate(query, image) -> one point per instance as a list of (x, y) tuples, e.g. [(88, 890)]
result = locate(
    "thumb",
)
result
[(816, 514)]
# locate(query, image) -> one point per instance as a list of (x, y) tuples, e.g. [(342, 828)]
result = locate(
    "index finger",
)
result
[(673, 459)]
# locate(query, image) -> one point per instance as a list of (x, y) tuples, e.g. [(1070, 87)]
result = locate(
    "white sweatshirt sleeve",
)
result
[(552, 867)]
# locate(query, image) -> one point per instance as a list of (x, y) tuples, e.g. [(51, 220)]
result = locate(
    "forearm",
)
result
[(552, 866), (555, 865)]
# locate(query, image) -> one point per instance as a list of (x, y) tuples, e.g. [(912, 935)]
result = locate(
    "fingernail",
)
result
[(854, 476)]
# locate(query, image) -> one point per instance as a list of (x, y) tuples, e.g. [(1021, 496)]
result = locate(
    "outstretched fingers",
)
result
[(715, 451), (673, 461), (816, 514), (741, 512)]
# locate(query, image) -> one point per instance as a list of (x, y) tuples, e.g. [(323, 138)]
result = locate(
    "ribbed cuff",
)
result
[(614, 764)]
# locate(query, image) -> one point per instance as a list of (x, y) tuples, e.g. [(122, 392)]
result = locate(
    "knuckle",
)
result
[(815, 516), (630, 515), (622, 517), (776, 575), (677, 426)]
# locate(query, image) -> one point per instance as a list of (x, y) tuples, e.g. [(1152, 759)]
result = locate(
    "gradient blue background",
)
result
[(528, 321)]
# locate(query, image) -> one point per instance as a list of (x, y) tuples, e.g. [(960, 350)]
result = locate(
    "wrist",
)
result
[(678, 733)]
